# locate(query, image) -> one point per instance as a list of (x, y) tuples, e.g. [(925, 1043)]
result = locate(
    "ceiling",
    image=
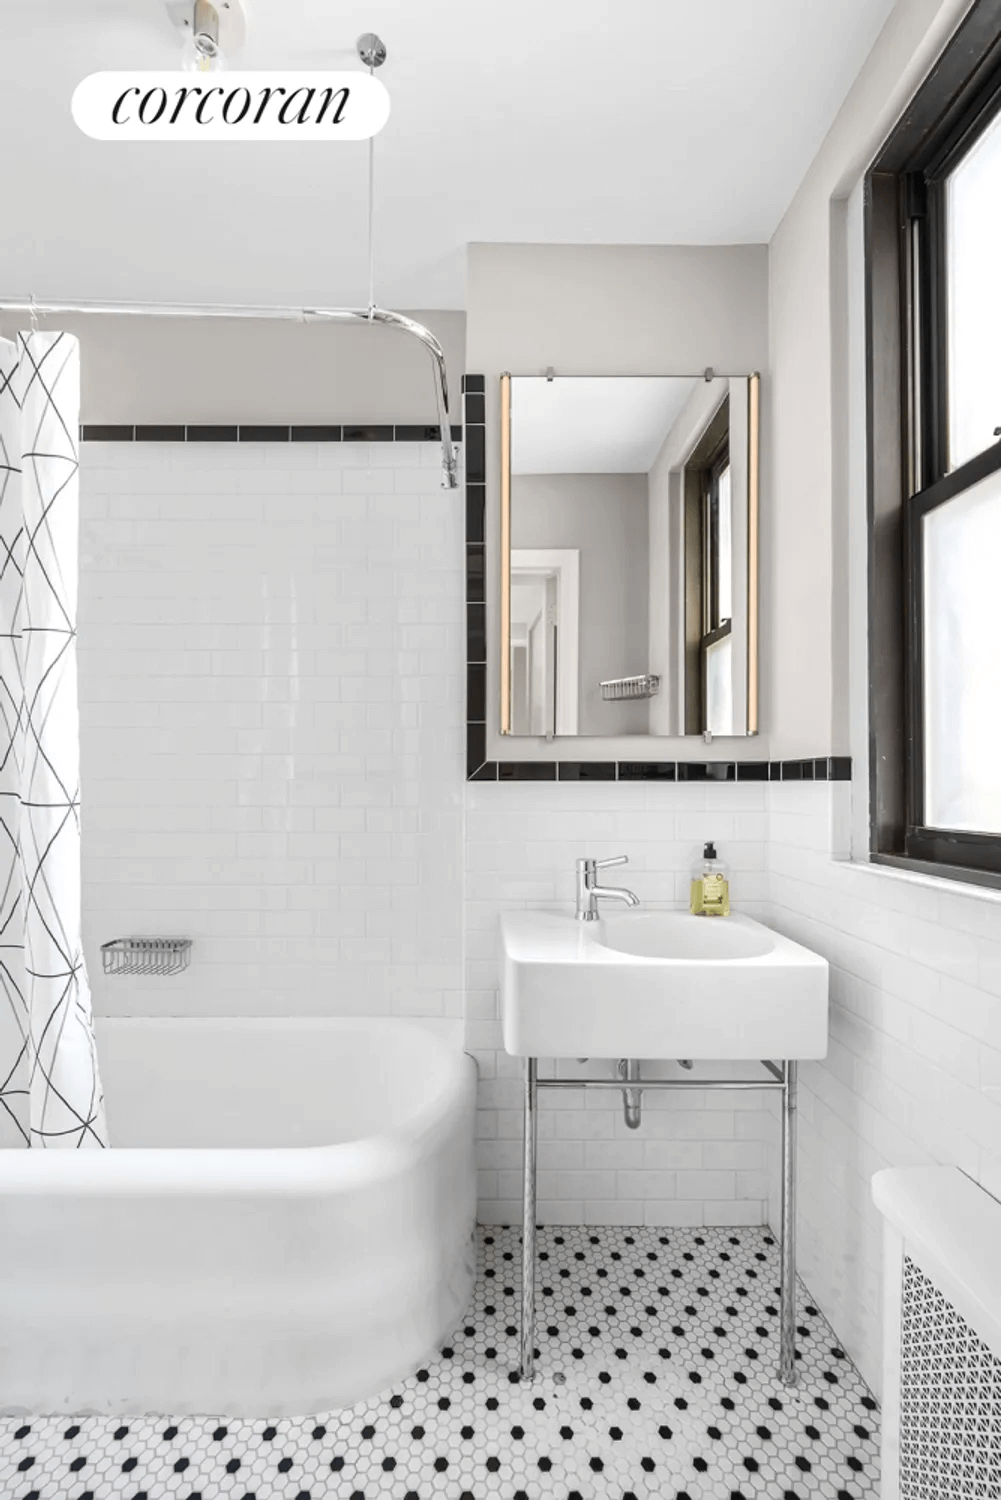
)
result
[(566, 121), (593, 424)]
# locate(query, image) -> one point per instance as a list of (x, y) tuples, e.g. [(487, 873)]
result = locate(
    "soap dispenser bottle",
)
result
[(710, 887)]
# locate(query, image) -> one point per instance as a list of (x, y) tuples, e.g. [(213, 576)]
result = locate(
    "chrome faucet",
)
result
[(589, 892)]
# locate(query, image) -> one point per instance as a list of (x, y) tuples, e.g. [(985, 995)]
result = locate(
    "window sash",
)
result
[(949, 846), (907, 341)]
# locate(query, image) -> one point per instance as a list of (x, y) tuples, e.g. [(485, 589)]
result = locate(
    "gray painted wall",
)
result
[(606, 517), (609, 310)]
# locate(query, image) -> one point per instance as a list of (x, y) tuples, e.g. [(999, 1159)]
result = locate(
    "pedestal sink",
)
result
[(661, 985), (656, 985)]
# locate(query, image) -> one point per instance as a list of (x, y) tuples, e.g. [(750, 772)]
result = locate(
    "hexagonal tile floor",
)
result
[(656, 1377)]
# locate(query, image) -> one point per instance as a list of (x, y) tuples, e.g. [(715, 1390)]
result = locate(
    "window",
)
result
[(934, 337), (708, 530), (717, 594)]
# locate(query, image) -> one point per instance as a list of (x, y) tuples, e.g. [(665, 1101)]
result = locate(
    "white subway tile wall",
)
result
[(271, 652), (698, 1157), (915, 1046), (271, 686)]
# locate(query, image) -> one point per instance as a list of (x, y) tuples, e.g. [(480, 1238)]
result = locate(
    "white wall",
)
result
[(915, 1046), (138, 369), (609, 310), (916, 965), (271, 649), (605, 517)]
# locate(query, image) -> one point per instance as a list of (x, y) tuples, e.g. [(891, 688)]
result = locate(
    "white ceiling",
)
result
[(593, 425), (556, 121)]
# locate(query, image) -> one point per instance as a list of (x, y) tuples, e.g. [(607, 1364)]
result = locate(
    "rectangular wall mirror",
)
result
[(629, 537)]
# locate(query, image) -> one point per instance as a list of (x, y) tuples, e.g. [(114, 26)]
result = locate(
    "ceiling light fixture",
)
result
[(214, 30)]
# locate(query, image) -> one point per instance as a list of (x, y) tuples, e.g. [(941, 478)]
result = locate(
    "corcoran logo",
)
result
[(230, 106)]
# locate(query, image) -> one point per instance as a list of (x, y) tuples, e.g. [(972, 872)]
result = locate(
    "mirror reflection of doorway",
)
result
[(544, 636)]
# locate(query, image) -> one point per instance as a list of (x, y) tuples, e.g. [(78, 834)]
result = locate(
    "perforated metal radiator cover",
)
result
[(950, 1400)]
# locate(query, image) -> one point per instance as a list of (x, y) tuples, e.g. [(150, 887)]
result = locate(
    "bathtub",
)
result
[(284, 1224)]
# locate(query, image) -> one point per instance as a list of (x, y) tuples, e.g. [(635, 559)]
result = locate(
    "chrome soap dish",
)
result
[(146, 955), (645, 686)]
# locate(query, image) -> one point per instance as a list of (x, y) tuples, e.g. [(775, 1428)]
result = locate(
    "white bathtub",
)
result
[(285, 1224)]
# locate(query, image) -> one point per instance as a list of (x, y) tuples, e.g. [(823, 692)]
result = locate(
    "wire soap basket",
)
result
[(146, 955), (616, 688)]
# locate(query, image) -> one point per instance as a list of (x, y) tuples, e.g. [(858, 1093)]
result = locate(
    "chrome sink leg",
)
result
[(787, 1356), (528, 1220)]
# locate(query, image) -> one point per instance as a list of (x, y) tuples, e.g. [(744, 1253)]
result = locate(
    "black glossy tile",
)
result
[(204, 432), (476, 455), (475, 563), (262, 432), (414, 434), (360, 434), (707, 770), (774, 770), (486, 772), (839, 768), (586, 770), (752, 770), (820, 769), (476, 501), (159, 433), (476, 746), (476, 693), (797, 770), (473, 383), (648, 770), (321, 434), (476, 407), (476, 632), (103, 432), (526, 770)]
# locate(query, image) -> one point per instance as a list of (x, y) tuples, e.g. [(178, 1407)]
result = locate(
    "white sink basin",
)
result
[(679, 936), (658, 985)]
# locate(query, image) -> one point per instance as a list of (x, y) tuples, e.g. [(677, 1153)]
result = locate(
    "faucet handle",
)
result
[(620, 859)]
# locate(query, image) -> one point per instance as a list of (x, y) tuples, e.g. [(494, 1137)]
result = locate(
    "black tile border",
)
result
[(262, 432), (478, 768)]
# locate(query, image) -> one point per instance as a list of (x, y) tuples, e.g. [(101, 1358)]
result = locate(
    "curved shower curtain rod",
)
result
[(449, 467)]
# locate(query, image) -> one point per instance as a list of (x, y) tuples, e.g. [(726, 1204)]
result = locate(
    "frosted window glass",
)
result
[(725, 536), (719, 686), (962, 661), (974, 255)]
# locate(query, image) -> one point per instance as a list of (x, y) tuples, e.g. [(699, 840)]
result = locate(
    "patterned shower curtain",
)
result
[(50, 1088)]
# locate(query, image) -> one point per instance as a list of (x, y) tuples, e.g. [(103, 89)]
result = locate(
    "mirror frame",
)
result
[(753, 497)]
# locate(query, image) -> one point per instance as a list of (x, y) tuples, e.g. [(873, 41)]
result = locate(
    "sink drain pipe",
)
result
[(629, 1069)]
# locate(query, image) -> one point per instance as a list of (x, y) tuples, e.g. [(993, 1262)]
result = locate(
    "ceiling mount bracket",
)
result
[(371, 50)]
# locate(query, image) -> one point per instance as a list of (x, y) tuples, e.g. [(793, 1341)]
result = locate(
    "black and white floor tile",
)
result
[(656, 1377)]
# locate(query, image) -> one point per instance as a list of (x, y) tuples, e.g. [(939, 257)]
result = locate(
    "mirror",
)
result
[(629, 524)]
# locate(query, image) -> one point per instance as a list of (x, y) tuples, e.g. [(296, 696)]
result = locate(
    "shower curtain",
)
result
[(50, 1089)]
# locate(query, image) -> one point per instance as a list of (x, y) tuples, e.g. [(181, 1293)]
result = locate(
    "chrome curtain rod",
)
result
[(449, 467)]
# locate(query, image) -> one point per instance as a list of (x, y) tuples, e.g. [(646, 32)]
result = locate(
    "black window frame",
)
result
[(907, 395), (715, 627)]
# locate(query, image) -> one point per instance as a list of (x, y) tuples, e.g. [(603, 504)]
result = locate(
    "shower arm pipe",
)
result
[(449, 467)]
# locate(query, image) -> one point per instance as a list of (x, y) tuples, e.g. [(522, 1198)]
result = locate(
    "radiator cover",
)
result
[(950, 1399)]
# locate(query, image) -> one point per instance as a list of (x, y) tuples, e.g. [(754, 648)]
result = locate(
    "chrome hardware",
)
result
[(146, 955), (781, 1076), (632, 1099), (371, 49), (647, 685), (589, 892)]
